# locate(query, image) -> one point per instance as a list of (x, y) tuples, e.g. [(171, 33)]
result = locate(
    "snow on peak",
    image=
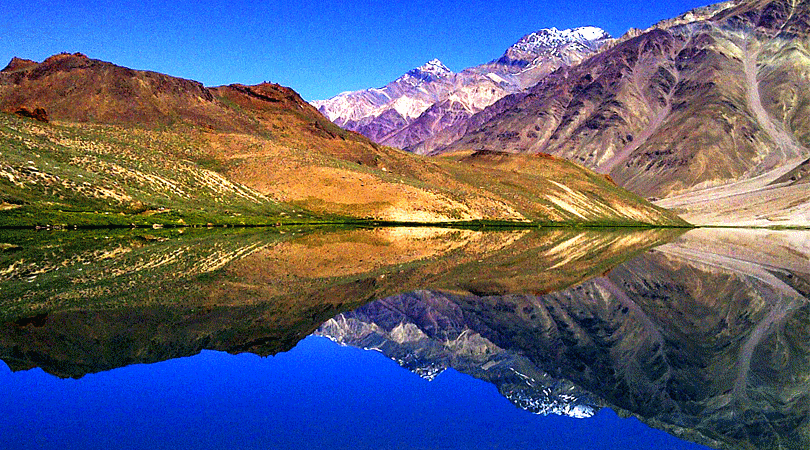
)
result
[(552, 37), (432, 70), (434, 67), (588, 33)]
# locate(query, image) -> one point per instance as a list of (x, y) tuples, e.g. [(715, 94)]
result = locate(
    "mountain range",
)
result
[(430, 98), (87, 142), (705, 113)]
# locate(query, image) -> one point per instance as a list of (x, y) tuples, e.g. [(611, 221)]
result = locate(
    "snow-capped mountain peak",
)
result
[(431, 70), (552, 37), (434, 66), (427, 99)]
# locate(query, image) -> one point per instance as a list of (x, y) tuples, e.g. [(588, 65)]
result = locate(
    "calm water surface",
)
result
[(405, 338), (317, 395)]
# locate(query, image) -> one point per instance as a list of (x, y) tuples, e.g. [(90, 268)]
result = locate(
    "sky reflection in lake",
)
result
[(318, 395)]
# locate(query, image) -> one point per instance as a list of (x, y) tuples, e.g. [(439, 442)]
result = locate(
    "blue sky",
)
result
[(319, 48)]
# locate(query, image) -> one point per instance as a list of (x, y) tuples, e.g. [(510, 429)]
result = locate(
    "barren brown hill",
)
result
[(141, 147), (708, 111), (75, 88)]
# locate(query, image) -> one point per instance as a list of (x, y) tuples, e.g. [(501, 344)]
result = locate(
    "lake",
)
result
[(396, 337)]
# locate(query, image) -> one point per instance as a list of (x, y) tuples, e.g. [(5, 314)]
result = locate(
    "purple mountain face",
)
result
[(413, 108), (707, 113)]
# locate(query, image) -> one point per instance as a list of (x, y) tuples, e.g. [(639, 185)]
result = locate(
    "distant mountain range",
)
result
[(430, 98), (707, 113)]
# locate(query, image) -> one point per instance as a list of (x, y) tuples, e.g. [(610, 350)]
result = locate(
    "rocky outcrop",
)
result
[(37, 114), (17, 64)]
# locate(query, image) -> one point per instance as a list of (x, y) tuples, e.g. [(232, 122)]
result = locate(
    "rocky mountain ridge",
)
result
[(403, 114), (705, 112)]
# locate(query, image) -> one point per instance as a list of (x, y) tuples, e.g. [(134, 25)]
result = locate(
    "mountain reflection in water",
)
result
[(705, 336)]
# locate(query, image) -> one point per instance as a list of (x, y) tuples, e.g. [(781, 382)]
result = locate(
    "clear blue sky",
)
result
[(318, 48)]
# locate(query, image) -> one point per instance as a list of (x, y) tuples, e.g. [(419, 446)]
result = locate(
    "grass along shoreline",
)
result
[(26, 218)]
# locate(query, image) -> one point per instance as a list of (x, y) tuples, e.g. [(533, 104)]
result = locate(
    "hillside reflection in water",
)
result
[(703, 335)]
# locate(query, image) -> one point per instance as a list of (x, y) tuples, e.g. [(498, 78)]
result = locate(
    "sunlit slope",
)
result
[(125, 146)]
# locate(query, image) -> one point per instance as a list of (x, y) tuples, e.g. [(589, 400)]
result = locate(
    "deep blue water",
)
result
[(318, 395)]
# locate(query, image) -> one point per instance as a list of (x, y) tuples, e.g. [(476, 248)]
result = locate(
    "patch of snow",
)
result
[(494, 77), (548, 38), (410, 108), (436, 67), (590, 33)]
